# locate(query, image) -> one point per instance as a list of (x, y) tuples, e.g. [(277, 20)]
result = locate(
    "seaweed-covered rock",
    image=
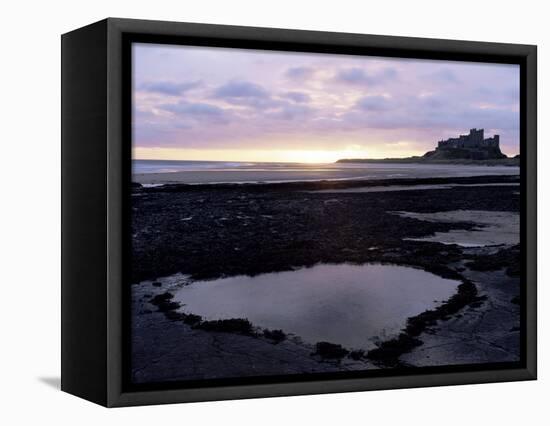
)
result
[(163, 302), (233, 325), (276, 335), (330, 350), (508, 258), (174, 315), (357, 354), (161, 298), (192, 319), (389, 351)]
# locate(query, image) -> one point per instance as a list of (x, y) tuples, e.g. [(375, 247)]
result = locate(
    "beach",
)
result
[(150, 172), (194, 238)]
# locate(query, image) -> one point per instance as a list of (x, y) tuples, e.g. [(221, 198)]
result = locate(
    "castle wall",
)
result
[(474, 140)]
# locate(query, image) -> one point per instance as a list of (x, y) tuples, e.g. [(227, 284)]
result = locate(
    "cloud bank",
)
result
[(233, 99)]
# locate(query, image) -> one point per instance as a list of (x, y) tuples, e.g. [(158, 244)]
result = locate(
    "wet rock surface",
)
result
[(487, 331), (166, 348), (212, 231)]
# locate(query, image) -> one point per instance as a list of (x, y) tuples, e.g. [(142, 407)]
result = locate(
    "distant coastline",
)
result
[(514, 161)]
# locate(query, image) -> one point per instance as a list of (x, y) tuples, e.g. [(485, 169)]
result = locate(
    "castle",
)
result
[(471, 146), (473, 140)]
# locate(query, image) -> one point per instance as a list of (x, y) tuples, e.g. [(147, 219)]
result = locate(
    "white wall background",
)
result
[(30, 200)]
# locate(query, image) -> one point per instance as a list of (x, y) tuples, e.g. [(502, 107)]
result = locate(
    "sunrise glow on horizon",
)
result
[(290, 156)]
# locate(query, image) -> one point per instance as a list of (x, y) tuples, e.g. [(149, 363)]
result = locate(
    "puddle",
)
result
[(352, 305), (495, 228)]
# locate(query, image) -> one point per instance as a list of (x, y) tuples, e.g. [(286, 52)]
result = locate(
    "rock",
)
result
[(508, 258), (389, 351), (276, 335), (174, 316), (162, 301), (233, 325), (357, 355), (161, 298), (330, 350), (192, 319)]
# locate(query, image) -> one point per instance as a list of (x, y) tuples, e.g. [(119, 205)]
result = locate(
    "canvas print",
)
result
[(302, 214)]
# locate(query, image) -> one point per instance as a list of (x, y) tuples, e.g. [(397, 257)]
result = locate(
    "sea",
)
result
[(157, 172)]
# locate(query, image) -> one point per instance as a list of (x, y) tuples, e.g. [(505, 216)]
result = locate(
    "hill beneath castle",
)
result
[(488, 153)]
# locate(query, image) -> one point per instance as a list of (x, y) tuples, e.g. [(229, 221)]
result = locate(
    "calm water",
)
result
[(171, 166), (155, 171), (352, 305), (494, 228)]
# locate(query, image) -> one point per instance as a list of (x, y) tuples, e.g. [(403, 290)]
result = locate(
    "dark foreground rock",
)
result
[(164, 349), (330, 350), (481, 332), (210, 231), (389, 352), (508, 258)]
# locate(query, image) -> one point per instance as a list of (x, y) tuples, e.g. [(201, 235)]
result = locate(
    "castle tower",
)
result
[(476, 137)]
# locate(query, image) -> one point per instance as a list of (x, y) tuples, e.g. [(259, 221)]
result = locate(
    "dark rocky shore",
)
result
[(212, 231)]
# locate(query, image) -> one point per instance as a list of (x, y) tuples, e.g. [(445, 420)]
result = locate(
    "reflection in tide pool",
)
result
[(352, 305)]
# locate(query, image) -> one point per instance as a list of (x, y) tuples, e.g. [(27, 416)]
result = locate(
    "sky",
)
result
[(206, 103)]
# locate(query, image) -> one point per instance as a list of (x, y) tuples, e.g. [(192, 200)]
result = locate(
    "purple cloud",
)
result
[(291, 112), (444, 75), (241, 89), (168, 87), (198, 111), (359, 76), (374, 103), (298, 97), (299, 73)]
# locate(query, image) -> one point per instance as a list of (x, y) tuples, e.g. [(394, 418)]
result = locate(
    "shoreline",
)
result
[(325, 184), (334, 173)]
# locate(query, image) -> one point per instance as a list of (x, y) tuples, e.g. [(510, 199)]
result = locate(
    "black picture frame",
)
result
[(96, 109)]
